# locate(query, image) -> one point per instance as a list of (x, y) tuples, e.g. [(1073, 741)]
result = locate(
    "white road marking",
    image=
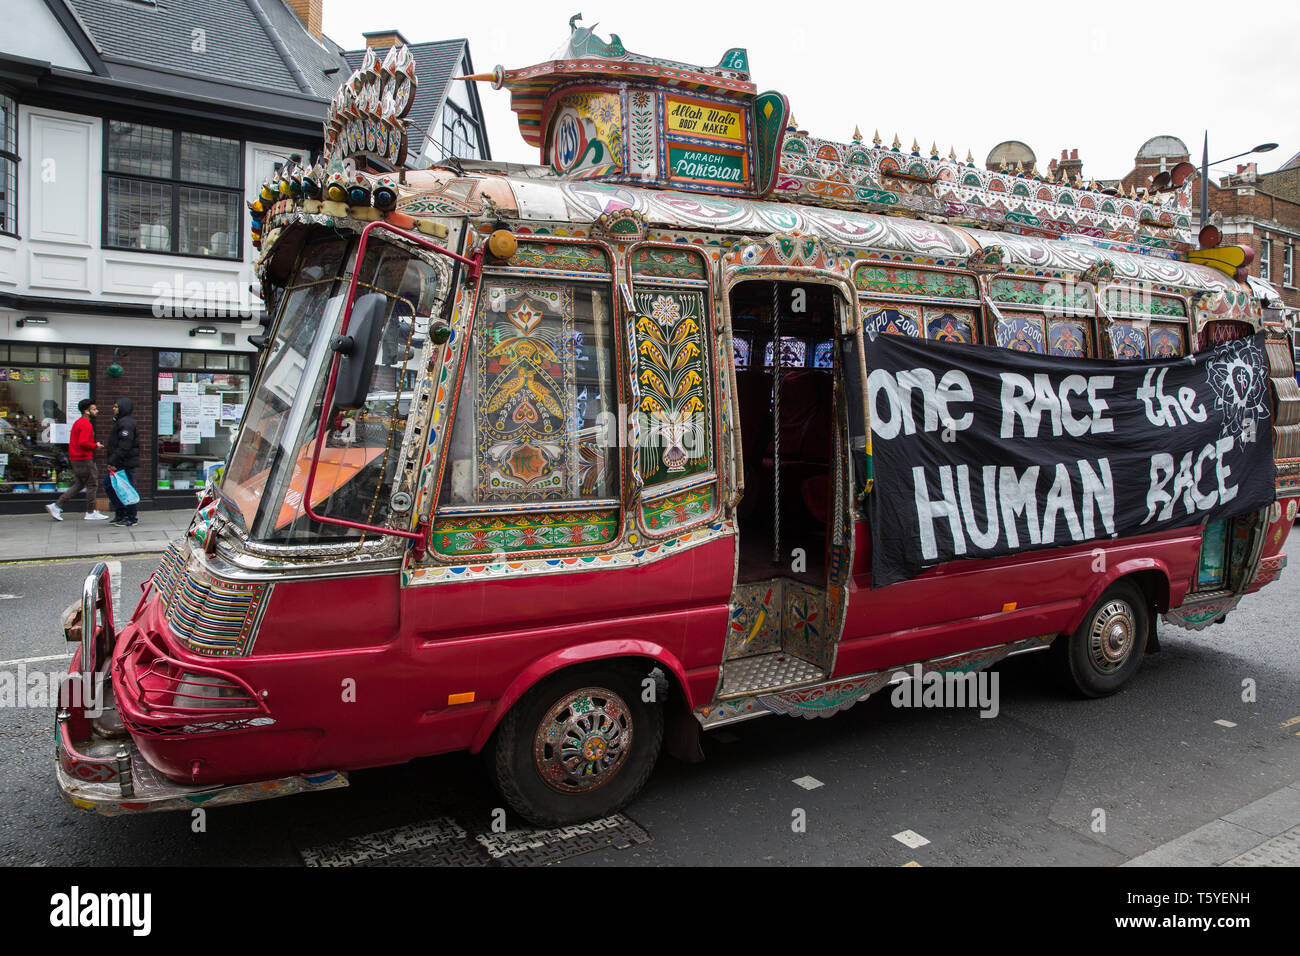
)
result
[(10, 597), (115, 580), (1225, 723), (37, 660), (911, 839), (808, 783)]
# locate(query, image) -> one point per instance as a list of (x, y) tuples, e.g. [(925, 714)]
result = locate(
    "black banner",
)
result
[(980, 452)]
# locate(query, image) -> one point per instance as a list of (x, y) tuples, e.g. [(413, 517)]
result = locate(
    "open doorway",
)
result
[(786, 360)]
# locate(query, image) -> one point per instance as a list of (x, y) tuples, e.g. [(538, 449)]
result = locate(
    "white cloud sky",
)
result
[(1098, 76)]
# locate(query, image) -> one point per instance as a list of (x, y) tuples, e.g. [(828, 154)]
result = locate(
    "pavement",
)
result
[(38, 537), (1263, 833)]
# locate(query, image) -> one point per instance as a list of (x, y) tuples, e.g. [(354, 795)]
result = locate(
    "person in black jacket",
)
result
[(123, 454)]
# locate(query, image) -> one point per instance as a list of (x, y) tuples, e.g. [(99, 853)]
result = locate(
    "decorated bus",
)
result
[(698, 420)]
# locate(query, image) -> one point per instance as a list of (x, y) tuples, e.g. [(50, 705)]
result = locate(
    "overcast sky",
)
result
[(1098, 76)]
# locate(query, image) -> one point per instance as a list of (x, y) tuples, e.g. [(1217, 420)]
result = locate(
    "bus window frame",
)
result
[(1094, 319), (1108, 318), (640, 494), (470, 308), (474, 268)]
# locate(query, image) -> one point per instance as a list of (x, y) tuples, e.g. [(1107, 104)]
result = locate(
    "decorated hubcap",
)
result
[(583, 740), (1111, 638)]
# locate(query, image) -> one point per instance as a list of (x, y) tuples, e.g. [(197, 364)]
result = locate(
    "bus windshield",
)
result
[(263, 486)]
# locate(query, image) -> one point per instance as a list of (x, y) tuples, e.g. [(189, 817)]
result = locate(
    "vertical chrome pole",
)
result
[(776, 423)]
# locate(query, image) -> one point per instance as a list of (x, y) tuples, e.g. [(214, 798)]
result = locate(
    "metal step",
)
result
[(767, 672)]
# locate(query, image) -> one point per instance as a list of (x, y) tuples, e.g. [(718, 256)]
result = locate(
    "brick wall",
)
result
[(138, 384), (1248, 200)]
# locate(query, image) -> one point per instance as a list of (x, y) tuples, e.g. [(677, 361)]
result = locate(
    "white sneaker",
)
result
[(55, 511), (96, 516)]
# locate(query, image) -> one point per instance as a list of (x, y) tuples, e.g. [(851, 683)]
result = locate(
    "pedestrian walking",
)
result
[(123, 455), (81, 452)]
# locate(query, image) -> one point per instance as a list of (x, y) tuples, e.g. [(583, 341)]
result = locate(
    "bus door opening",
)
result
[(786, 366)]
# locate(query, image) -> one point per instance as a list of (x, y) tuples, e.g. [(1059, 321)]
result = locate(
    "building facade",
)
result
[(132, 138)]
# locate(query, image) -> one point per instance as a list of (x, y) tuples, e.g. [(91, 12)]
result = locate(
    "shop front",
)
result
[(40, 386), (188, 401)]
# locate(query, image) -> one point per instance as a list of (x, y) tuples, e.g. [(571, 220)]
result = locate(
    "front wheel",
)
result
[(1106, 650), (578, 746)]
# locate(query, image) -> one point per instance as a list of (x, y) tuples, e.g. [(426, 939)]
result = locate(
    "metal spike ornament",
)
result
[(367, 116)]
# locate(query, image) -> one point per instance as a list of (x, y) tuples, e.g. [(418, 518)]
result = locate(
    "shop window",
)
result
[(200, 405), (40, 387), (170, 191), (8, 165)]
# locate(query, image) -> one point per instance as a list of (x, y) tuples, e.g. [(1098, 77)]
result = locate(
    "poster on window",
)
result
[(73, 393), (981, 452)]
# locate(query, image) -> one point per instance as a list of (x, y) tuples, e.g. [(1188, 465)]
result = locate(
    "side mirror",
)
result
[(358, 350)]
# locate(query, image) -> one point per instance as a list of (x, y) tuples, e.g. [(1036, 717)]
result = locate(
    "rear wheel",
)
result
[(1106, 651), (578, 746)]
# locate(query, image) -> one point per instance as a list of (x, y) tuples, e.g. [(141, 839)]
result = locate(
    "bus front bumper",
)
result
[(108, 775)]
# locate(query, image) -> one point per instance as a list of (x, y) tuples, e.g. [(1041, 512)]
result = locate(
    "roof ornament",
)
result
[(367, 116)]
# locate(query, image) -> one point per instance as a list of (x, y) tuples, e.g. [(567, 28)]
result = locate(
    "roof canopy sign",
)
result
[(600, 112), (367, 115)]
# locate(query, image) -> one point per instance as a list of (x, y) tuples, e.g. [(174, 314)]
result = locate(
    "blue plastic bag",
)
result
[(122, 488)]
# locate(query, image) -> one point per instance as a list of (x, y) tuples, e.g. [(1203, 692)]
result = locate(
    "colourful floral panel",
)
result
[(1128, 341), (794, 352), (561, 256), (947, 325), (680, 510), (673, 382), (902, 320), (1068, 339), (457, 536), (1023, 333), (1049, 295), (654, 262), (1166, 341), (901, 280), (1138, 301)]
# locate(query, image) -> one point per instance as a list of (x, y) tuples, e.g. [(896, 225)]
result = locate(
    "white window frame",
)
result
[(1265, 258)]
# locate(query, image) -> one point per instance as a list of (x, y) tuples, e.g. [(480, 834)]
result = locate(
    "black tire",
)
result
[(553, 785), (1107, 649)]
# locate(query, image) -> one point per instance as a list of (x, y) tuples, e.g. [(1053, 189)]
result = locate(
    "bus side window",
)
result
[(675, 359), (537, 397)]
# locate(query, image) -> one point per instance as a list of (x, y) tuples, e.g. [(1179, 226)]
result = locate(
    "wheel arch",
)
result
[(1150, 575), (618, 652)]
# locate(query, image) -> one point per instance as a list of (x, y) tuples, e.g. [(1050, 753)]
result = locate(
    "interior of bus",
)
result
[(779, 621)]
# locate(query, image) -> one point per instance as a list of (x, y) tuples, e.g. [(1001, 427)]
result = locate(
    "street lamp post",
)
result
[(1205, 171)]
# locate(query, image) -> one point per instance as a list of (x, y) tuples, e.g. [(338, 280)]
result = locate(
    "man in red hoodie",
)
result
[(81, 451)]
